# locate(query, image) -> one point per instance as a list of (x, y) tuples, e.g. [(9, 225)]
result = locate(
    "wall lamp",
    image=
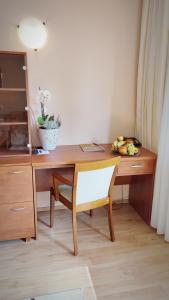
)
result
[(32, 33)]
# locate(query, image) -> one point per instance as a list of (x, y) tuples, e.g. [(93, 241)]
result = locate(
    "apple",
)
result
[(120, 138), (115, 146), (121, 143), (129, 141), (115, 143), (123, 150)]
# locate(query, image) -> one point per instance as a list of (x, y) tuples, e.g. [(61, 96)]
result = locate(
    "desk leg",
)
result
[(141, 195), (35, 203)]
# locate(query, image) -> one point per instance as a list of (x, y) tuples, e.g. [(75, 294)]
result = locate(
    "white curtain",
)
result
[(160, 210), (152, 110), (151, 70)]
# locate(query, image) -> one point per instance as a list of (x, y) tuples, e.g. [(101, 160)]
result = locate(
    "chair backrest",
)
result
[(92, 180)]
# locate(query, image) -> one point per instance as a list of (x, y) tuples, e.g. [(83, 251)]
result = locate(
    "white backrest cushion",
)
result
[(93, 185)]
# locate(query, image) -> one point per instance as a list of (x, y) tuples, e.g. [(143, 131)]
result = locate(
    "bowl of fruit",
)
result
[(125, 146)]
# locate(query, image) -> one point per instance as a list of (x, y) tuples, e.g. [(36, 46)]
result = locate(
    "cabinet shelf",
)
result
[(12, 90), (12, 123)]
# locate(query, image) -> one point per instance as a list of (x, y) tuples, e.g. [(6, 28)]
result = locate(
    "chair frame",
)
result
[(75, 208)]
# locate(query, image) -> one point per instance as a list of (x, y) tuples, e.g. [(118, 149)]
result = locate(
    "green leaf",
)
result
[(41, 120), (51, 118)]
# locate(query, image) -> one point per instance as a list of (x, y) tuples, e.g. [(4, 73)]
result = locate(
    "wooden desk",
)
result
[(137, 171)]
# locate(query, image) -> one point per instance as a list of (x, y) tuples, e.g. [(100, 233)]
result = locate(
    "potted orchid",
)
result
[(48, 124)]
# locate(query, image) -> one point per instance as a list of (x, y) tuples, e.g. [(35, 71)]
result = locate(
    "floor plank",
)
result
[(135, 266)]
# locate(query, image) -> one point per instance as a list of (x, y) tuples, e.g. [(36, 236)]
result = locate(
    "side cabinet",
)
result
[(16, 203)]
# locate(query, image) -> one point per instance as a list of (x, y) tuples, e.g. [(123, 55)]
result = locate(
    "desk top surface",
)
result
[(69, 155)]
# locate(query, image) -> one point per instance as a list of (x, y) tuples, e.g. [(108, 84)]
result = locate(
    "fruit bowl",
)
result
[(125, 147), (118, 153)]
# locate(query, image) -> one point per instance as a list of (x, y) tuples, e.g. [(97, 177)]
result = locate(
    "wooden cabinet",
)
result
[(14, 113), (17, 212), (16, 202)]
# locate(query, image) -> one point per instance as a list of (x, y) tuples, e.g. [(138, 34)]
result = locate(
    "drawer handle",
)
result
[(18, 209), (16, 172), (136, 166)]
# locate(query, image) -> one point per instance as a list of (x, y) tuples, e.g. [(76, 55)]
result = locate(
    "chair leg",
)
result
[(74, 228), (110, 219), (52, 208), (91, 212)]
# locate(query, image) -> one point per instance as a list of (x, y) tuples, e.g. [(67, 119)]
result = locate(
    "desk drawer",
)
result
[(136, 167), (16, 184), (17, 221)]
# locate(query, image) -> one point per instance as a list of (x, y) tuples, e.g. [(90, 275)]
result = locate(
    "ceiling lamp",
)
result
[(32, 33)]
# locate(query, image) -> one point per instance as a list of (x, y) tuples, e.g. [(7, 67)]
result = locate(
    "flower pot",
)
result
[(49, 138)]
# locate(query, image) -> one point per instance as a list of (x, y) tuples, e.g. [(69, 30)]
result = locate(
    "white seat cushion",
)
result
[(66, 191)]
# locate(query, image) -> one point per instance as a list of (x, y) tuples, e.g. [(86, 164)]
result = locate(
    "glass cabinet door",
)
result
[(12, 71), (13, 139), (14, 131), (12, 106)]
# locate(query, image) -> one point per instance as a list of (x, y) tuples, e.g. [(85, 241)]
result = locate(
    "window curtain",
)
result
[(160, 209), (151, 71), (152, 107)]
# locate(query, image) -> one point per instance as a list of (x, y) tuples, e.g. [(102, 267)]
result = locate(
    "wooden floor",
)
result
[(134, 267)]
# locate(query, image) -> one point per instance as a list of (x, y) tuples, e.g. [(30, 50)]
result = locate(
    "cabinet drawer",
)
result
[(136, 167), (17, 221), (16, 184)]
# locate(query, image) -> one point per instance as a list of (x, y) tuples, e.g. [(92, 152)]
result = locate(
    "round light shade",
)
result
[(32, 33)]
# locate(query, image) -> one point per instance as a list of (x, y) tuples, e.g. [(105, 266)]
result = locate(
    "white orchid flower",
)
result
[(43, 96)]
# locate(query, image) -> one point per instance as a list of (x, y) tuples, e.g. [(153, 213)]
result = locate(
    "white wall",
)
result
[(89, 62)]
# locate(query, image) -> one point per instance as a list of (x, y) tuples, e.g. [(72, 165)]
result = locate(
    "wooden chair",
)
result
[(90, 188)]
